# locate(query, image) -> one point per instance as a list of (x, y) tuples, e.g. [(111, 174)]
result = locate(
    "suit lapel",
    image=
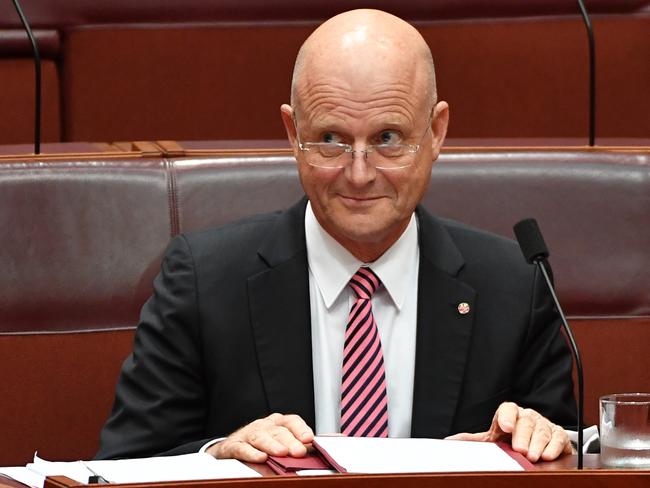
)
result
[(443, 333), (280, 316)]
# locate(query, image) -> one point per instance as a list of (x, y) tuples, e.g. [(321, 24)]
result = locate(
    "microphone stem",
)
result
[(37, 75), (576, 355), (592, 73)]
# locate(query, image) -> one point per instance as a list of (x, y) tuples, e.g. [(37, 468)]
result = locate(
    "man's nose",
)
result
[(360, 171)]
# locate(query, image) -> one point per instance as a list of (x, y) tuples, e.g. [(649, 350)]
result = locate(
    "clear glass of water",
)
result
[(625, 430)]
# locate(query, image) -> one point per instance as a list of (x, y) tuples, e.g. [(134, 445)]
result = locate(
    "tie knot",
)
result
[(364, 283)]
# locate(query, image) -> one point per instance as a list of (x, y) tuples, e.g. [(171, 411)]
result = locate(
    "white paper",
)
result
[(197, 466), (378, 455), (315, 472), (23, 475), (74, 470)]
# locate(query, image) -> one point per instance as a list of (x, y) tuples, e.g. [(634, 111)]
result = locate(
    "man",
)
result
[(444, 330)]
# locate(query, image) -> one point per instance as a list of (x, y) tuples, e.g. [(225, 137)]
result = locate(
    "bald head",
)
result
[(358, 44)]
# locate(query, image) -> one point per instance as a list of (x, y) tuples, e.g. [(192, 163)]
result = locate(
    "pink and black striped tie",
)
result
[(364, 403)]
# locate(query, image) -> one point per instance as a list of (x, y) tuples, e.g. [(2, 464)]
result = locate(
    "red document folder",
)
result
[(287, 466), (319, 458), (517, 456)]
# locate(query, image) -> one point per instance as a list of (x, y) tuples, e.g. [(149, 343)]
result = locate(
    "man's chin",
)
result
[(363, 231), (365, 238)]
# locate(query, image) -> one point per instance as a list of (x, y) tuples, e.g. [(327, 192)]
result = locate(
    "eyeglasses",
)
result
[(334, 155)]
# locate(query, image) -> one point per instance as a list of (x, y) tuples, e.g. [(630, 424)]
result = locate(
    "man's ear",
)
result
[(439, 123), (286, 112)]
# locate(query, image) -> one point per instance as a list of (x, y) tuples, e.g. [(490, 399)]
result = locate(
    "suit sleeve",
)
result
[(160, 404), (544, 380)]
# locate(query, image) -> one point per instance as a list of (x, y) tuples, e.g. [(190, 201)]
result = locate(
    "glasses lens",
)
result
[(391, 150), (388, 156), (330, 150), (326, 155)]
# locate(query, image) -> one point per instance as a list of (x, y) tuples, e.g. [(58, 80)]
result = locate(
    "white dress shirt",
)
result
[(394, 306)]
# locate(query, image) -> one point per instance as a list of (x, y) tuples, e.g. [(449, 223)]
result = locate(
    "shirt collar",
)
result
[(332, 265)]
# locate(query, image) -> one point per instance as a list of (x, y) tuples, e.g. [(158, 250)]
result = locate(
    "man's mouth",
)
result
[(358, 201)]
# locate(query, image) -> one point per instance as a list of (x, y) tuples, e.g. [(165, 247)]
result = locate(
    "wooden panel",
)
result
[(535, 479), (17, 102), (524, 77), (175, 83), (57, 391), (615, 358)]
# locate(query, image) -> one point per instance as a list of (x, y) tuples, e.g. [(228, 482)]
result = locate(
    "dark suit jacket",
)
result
[(225, 338)]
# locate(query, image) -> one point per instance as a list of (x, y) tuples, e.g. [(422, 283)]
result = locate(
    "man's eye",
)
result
[(389, 137), (331, 137)]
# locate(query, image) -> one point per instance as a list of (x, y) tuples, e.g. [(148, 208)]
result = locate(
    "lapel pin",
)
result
[(463, 308)]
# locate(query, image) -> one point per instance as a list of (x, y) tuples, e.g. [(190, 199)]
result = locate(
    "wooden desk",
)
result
[(559, 474)]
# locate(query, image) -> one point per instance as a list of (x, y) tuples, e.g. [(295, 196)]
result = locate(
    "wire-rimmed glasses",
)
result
[(335, 155)]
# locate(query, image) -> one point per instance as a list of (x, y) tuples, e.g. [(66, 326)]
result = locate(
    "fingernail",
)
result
[(298, 451)]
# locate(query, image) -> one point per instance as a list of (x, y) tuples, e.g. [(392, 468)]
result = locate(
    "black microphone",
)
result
[(592, 73), (37, 76), (535, 251)]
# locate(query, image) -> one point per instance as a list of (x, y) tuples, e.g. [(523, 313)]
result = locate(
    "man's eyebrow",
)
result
[(327, 126)]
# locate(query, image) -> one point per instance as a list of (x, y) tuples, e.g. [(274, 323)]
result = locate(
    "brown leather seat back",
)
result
[(83, 242), (593, 208)]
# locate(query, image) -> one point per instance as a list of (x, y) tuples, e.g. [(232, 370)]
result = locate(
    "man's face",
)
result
[(364, 208)]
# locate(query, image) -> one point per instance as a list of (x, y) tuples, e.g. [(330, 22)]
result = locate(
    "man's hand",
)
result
[(277, 435), (531, 434)]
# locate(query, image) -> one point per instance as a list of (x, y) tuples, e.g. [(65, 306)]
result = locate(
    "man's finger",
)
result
[(466, 436), (539, 440), (286, 438), (506, 417), (522, 433), (264, 440), (298, 427), (559, 444), (236, 449), (245, 452)]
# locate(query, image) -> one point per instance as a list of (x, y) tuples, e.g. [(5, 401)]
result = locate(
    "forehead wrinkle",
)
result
[(338, 120), (381, 109), (317, 92), (393, 97), (376, 110)]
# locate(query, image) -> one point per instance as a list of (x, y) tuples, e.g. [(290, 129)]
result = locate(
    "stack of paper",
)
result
[(197, 466), (376, 455), (343, 454)]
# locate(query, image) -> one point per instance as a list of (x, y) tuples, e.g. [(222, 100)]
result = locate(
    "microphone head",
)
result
[(530, 240)]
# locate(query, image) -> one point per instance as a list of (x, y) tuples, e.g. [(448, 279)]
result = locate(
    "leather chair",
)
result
[(84, 236)]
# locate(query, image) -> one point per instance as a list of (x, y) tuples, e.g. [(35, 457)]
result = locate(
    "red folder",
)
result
[(319, 458), (517, 456), (287, 466)]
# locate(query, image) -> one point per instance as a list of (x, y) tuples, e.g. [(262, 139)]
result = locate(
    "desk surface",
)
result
[(549, 474), (559, 473)]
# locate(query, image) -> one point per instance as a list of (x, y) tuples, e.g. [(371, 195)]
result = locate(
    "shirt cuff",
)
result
[(208, 444), (590, 434)]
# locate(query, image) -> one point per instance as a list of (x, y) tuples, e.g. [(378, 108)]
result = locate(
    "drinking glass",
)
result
[(625, 430)]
